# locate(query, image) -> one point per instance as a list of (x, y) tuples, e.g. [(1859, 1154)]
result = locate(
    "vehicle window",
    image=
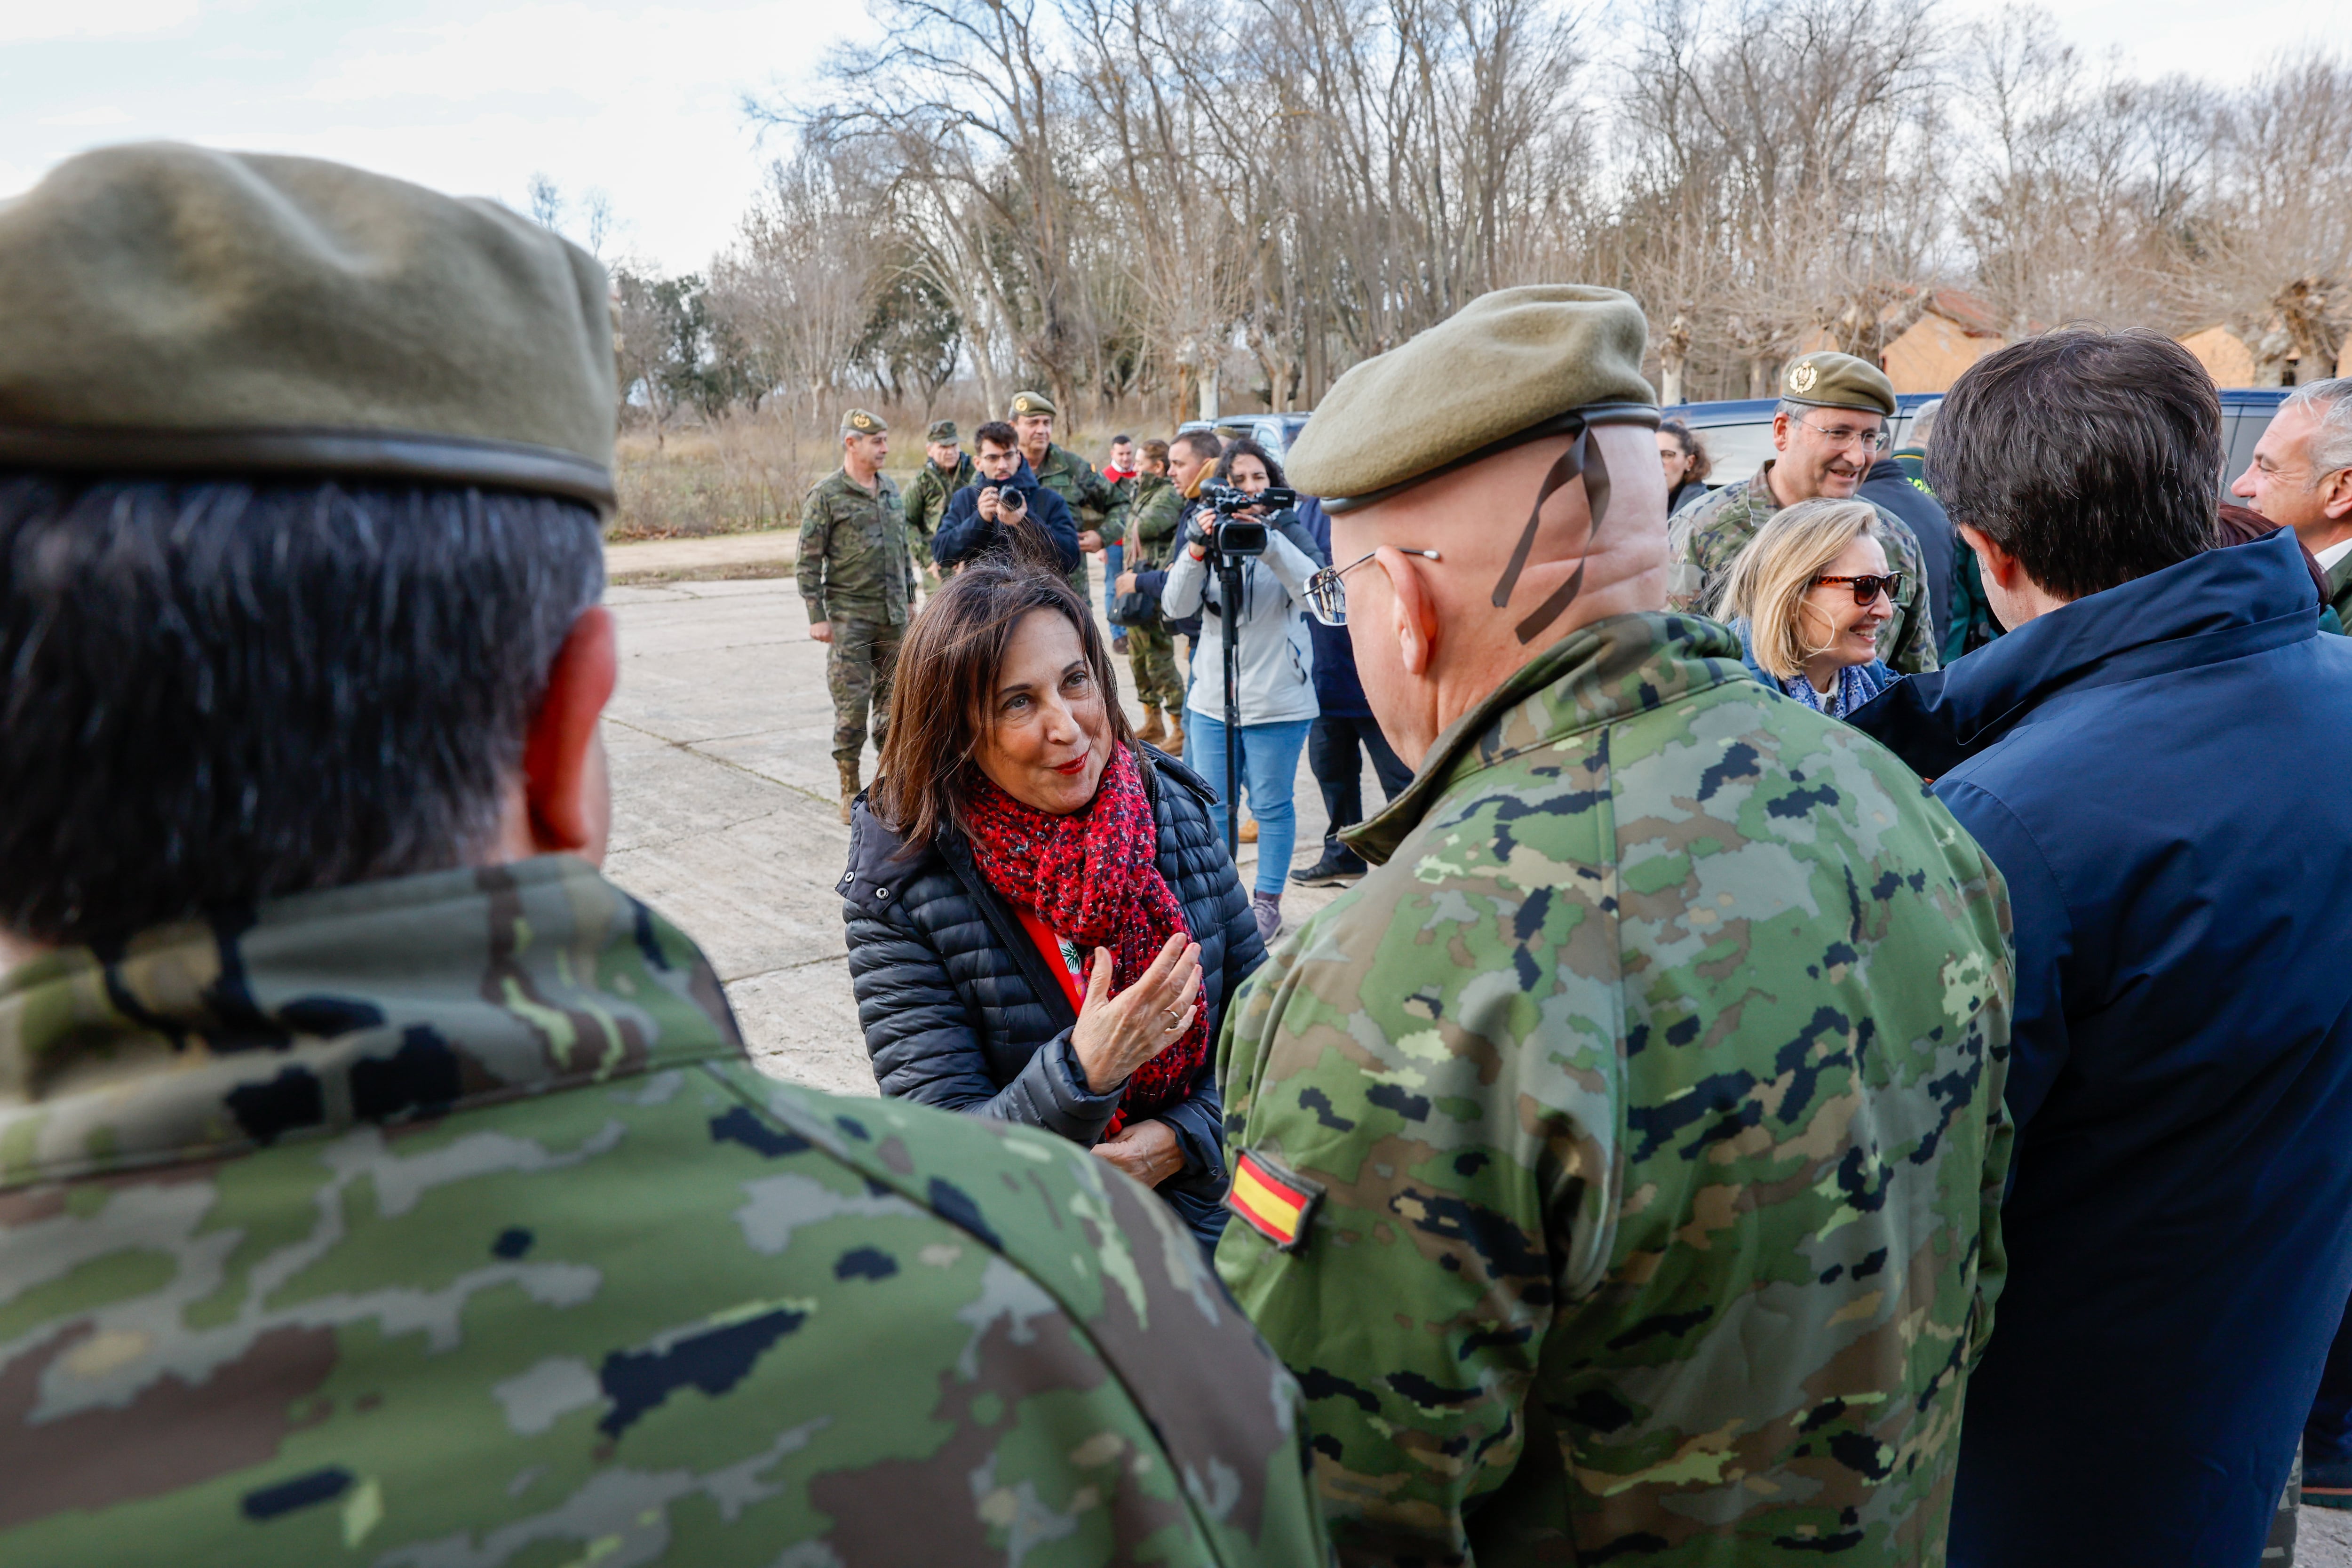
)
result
[(2241, 431), (1739, 450)]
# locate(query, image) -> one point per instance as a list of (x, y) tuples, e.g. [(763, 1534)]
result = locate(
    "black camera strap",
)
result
[(1582, 459)]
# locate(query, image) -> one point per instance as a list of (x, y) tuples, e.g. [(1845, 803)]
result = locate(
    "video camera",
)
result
[(1231, 534)]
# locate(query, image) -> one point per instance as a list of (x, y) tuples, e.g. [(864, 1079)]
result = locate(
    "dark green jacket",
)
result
[(1092, 501), (2339, 591), (926, 499), (443, 1220), (853, 564), (1152, 515)]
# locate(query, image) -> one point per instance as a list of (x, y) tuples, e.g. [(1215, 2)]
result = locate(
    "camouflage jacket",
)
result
[(1705, 537), (1151, 519), (1092, 501), (2339, 591), (853, 564), (442, 1221), (927, 498), (1645, 1109)]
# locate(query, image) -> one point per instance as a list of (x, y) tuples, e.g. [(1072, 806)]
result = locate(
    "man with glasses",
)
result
[(1829, 431), (1614, 1161)]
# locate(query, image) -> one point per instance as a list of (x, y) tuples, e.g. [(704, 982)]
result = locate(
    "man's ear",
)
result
[(1998, 564), (1779, 433), (1412, 611), (562, 760), (2335, 495)]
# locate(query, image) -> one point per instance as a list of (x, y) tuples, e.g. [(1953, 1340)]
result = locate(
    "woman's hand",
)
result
[(1148, 1151), (1117, 1035)]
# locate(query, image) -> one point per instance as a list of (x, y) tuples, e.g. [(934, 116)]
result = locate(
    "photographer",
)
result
[(1277, 660), (1006, 495)]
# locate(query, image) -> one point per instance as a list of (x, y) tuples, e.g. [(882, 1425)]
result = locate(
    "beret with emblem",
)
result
[(171, 309), (858, 422), (1027, 403), (1833, 380), (943, 432), (1502, 369)]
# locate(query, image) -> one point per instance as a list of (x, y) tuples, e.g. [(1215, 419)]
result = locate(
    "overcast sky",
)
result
[(641, 100)]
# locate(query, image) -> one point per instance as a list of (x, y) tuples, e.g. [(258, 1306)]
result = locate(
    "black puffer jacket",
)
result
[(960, 1010)]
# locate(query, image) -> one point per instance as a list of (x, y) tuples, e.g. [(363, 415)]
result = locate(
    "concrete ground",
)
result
[(724, 797)]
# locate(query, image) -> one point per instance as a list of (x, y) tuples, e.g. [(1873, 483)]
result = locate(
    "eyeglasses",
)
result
[(1326, 596), (1866, 587), (1868, 440)]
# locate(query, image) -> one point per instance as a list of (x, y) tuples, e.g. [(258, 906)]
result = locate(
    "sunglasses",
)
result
[(1866, 587), (1326, 596)]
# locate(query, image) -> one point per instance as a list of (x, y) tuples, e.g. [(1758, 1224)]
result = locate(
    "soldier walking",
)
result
[(858, 582), (1828, 431), (947, 468), (1095, 505), (1642, 1107)]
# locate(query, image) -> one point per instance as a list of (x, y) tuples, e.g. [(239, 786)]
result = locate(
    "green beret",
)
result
[(1500, 369), (943, 433), (1030, 403), (166, 309), (1833, 380), (858, 422)]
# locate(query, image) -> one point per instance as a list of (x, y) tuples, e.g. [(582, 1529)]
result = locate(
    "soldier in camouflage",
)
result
[(947, 468), (1620, 1161), (1154, 509), (379, 1183), (1096, 505), (1829, 428), (859, 586)]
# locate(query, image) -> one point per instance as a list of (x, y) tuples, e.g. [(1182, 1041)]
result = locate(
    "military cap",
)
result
[(1026, 403), (858, 422), (942, 432), (1505, 368), (171, 309), (1833, 380)]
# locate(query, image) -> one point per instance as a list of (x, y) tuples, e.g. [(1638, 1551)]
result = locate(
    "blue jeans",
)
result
[(1270, 772), (1114, 563)]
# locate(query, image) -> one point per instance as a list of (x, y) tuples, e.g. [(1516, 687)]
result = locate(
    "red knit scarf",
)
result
[(1090, 876)]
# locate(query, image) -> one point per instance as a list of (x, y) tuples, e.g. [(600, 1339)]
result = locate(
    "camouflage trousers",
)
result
[(859, 665), (1151, 655)]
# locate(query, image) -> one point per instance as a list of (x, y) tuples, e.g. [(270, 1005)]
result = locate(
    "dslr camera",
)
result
[(1233, 535)]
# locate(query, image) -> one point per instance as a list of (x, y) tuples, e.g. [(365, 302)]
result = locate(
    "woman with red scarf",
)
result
[(1043, 923)]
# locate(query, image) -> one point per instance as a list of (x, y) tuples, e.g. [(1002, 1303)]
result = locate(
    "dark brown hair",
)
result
[(2244, 525), (1246, 448), (997, 433), (1692, 448), (1155, 451), (948, 667)]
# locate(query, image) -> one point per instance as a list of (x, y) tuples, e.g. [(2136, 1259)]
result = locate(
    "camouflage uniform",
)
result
[(1151, 519), (442, 1221), (927, 502), (1652, 1090), (1704, 538), (1092, 499), (853, 572), (2339, 591)]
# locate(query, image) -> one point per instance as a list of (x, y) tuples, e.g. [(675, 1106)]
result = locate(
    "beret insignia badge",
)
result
[(1801, 377)]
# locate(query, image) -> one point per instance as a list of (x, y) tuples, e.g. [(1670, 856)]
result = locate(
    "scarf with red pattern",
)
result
[(1090, 876)]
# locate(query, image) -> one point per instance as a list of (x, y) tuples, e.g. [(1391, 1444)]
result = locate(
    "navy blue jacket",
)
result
[(961, 1012), (2152, 769), (1888, 486), (1337, 690), (964, 534)]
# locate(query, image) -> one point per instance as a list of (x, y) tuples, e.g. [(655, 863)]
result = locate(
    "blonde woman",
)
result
[(1808, 597)]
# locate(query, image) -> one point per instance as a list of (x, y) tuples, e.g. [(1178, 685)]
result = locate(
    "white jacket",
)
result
[(1277, 661)]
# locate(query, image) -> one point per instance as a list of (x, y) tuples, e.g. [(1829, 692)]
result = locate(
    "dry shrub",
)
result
[(740, 474)]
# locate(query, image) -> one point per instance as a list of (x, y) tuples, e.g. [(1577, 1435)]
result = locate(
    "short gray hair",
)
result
[(2330, 406)]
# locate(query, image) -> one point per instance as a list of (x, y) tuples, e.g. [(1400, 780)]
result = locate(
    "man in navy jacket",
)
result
[(976, 515), (2136, 755)]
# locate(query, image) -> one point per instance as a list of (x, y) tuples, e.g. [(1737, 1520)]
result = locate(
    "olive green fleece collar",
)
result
[(1594, 676), (381, 1002)]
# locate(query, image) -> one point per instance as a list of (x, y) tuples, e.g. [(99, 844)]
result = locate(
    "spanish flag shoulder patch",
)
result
[(1277, 1203)]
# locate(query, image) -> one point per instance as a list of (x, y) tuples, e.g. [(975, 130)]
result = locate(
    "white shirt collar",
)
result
[(2328, 557)]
